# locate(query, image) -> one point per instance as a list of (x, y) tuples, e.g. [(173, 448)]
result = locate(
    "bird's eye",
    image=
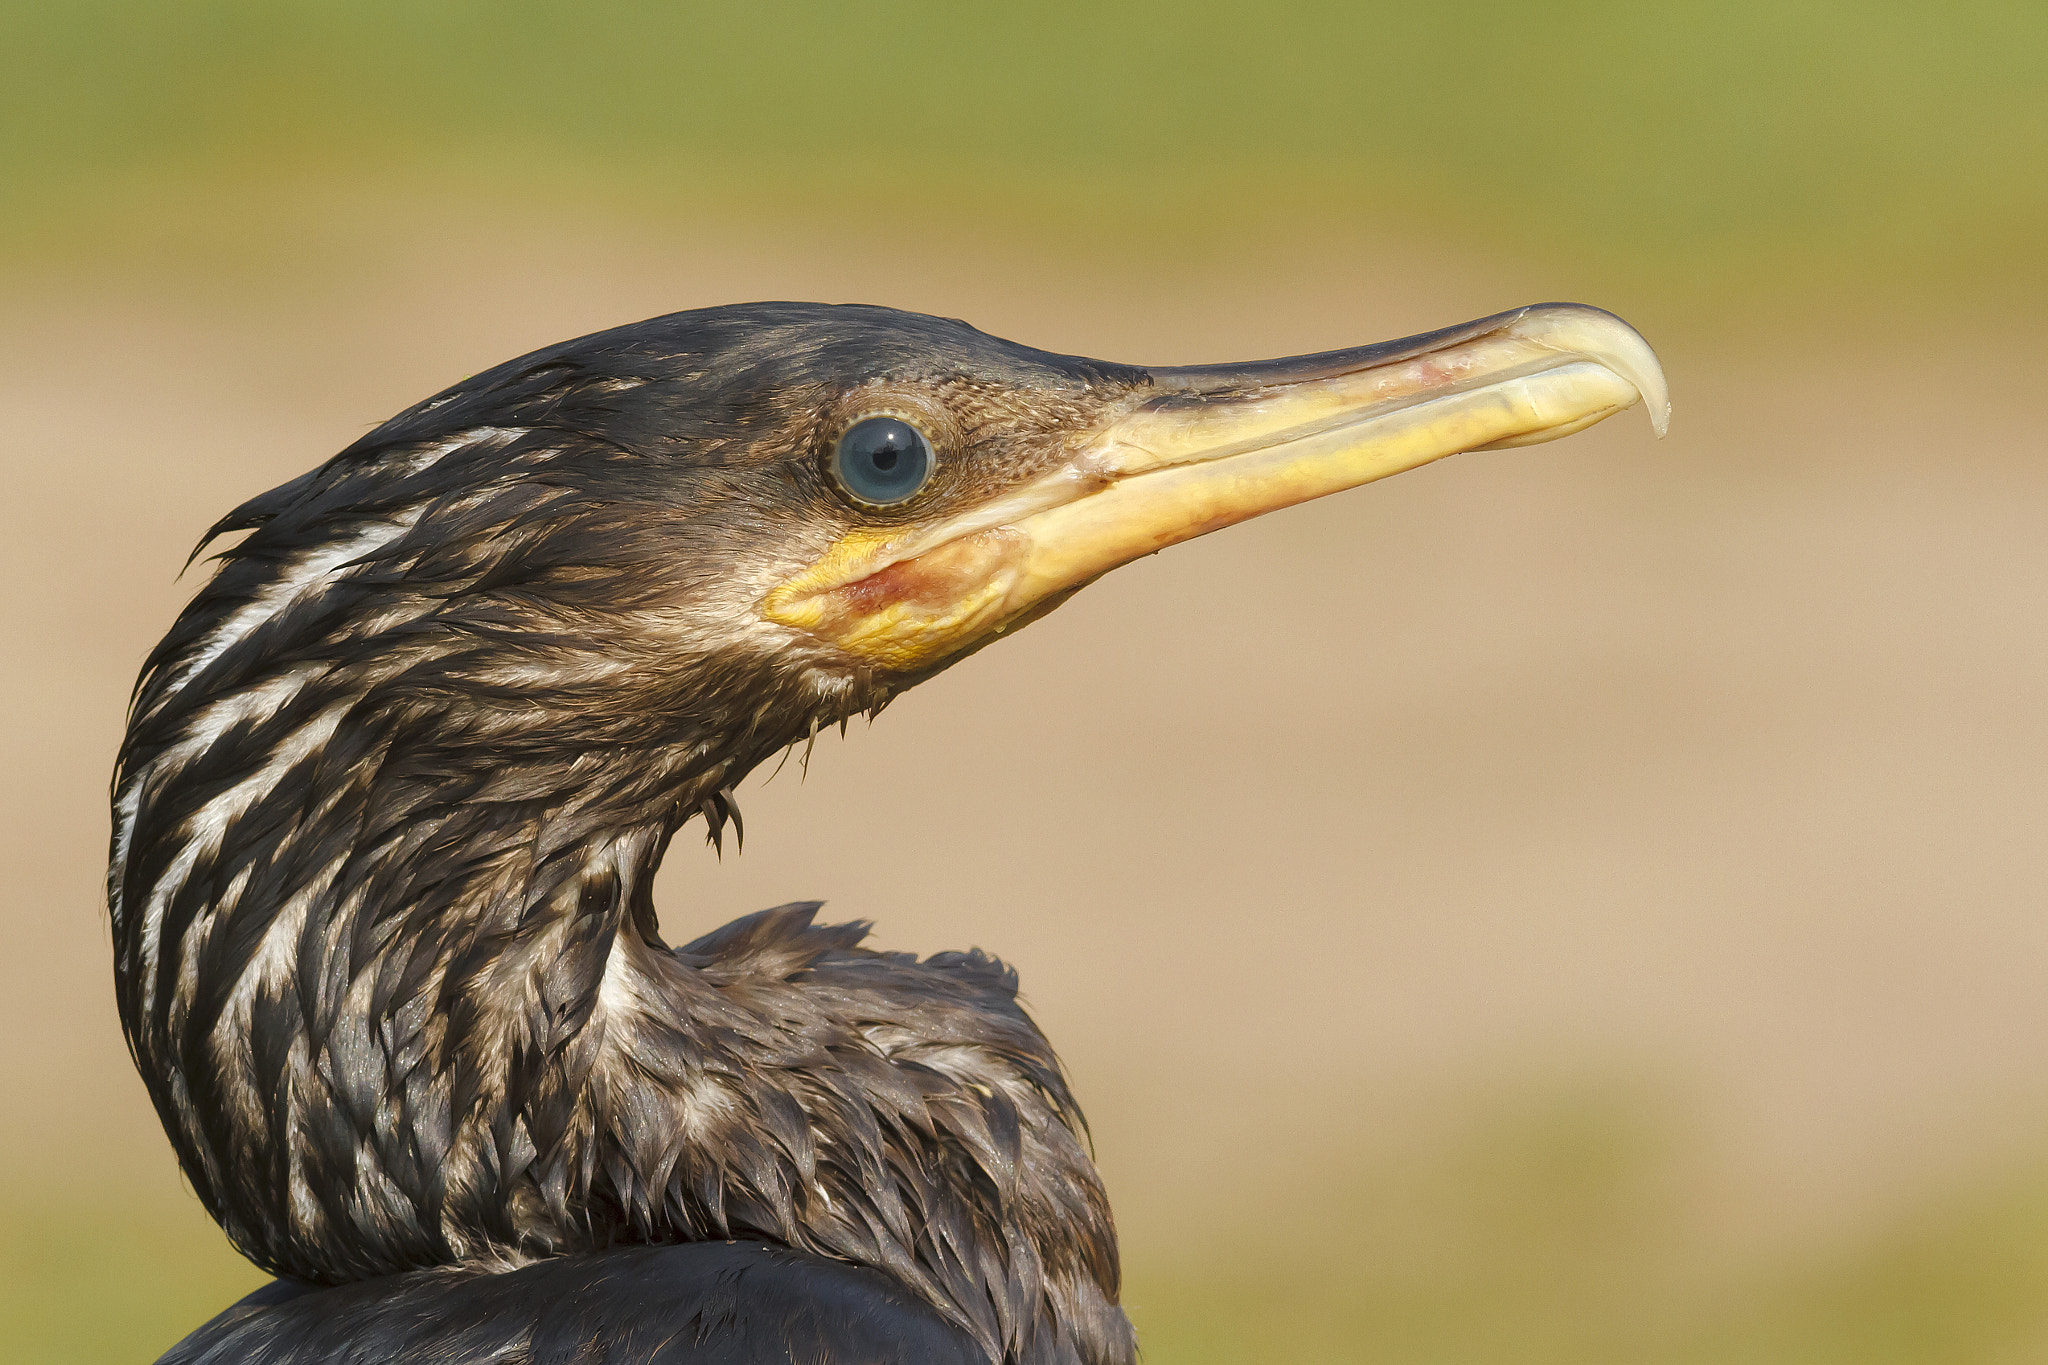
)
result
[(882, 461)]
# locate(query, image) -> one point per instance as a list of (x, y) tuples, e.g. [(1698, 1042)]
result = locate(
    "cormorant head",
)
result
[(396, 783), (724, 529)]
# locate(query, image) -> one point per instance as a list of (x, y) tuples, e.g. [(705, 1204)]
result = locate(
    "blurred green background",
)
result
[(1713, 153), (1741, 967)]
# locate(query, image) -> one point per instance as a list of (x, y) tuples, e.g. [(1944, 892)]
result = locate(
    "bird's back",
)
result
[(703, 1303)]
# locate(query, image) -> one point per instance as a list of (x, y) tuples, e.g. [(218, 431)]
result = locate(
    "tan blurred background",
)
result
[(1573, 904)]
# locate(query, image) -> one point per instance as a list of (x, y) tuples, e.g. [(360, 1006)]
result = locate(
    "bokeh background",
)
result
[(1583, 904)]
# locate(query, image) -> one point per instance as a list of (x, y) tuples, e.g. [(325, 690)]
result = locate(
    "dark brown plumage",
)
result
[(396, 785)]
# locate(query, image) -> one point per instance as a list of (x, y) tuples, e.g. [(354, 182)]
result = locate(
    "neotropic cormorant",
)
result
[(395, 787)]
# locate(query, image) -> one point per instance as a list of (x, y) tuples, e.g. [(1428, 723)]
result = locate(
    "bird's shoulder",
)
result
[(701, 1303)]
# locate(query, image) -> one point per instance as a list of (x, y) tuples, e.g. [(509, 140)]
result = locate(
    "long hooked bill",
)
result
[(1214, 446)]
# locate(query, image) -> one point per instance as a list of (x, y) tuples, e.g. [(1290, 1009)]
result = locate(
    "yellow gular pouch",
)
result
[(901, 615)]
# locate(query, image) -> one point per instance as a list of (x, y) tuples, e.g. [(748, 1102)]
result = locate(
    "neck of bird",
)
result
[(392, 971)]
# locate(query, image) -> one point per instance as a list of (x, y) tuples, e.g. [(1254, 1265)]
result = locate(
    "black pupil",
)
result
[(882, 460)]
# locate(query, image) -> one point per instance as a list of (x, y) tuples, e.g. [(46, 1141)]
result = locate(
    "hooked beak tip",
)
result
[(1599, 335)]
